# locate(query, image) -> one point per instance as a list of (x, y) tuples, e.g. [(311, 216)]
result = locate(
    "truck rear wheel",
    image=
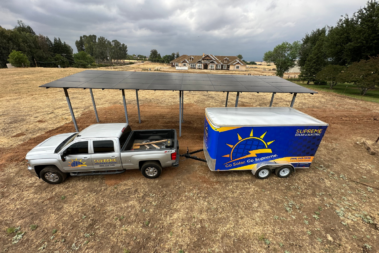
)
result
[(151, 170), (263, 173), (52, 175), (284, 171)]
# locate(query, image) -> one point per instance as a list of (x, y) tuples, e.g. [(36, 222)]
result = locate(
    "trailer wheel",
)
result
[(151, 170), (52, 175), (284, 171), (263, 173)]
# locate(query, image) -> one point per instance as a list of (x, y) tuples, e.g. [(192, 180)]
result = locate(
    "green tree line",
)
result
[(38, 49), (345, 52), (102, 49), (156, 57)]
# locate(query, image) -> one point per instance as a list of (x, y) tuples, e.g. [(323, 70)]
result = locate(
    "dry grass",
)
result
[(330, 208)]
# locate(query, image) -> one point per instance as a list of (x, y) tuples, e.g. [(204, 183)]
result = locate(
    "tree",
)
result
[(315, 62), (89, 44), (355, 38), (61, 61), (100, 49), (283, 56), (364, 74), (18, 59), (167, 58), (240, 56), (177, 55), (80, 44), (153, 55), (37, 48), (21, 27), (307, 45), (83, 60), (329, 74)]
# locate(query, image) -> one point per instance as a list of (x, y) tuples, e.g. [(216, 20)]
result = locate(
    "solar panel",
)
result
[(100, 79)]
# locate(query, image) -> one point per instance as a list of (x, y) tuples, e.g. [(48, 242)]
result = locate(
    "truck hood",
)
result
[(46, 149)]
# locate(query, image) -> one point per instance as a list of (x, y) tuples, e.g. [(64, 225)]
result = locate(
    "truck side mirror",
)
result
[(63, 155)]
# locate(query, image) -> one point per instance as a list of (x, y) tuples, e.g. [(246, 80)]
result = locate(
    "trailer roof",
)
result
[(261, 116), (99, 79)]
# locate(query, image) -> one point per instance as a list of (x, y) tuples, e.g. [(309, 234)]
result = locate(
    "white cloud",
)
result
[(249, 27)]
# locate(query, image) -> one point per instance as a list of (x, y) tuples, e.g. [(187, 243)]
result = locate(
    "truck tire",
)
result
[(52, 175), (151, 170), (263, 173), (284, 171)]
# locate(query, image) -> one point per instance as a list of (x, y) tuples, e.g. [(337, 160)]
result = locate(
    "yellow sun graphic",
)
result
[(77, 163), (248, 147)]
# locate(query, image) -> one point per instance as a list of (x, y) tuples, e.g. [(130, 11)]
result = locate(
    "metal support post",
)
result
[(139, 115), (124, 101), (272, 98), (293, 99), (183, 106), (94, 106), (180, 113), (238, 94), (227, 96), (71, 111)]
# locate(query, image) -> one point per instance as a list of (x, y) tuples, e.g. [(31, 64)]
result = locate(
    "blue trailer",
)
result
[(263, 140)]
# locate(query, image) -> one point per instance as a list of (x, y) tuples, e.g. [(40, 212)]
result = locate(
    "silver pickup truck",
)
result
[(102, 149)]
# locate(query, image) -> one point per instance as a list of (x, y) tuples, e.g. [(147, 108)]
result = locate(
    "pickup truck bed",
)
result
[(151, 140)]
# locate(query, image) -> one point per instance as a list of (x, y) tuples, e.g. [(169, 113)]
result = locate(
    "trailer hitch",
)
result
[(189, 155)]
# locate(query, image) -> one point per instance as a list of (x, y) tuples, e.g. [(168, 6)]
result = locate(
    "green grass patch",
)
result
[(349, 90)]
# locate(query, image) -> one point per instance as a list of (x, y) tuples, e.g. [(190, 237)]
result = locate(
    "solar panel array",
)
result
[(98, 79)]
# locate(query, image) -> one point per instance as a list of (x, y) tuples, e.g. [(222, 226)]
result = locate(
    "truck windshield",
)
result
[(65, 143)]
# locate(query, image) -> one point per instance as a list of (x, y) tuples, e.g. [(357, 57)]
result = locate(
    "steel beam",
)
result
[(70, 107), (227, 96), (139, 115), (238, 94), (125, 109), (272, 99), (180, 113), (183, 106), (293, 99), (94, 106)]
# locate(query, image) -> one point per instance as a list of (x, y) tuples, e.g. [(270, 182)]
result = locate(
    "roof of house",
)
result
[(216, 59)]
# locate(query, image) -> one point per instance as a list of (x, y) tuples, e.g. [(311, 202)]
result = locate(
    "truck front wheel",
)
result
[(52, 175), (151, 170)]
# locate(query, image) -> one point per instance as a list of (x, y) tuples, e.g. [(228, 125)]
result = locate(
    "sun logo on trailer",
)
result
[(248, 147), (76, 163)]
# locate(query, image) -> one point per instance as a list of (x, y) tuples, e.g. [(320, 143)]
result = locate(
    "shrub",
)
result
[(83, 60), (18, 59)]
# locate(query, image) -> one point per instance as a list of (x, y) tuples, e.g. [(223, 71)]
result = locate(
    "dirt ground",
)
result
[(333, 207)]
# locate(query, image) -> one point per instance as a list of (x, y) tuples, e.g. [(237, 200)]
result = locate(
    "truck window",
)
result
[(103, 147), (78, 148), (125, 136)]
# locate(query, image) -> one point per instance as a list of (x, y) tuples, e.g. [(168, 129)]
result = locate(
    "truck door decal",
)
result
[(105, 162), (77, 163)]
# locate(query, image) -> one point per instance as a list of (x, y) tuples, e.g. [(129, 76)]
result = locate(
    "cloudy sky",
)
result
[(220, 27)]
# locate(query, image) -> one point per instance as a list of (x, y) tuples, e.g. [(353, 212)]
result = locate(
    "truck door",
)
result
[(77, 158), (106, 155)]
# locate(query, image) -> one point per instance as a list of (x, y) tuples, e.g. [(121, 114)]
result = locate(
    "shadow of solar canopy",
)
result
[(122, 80), (100, 79)]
